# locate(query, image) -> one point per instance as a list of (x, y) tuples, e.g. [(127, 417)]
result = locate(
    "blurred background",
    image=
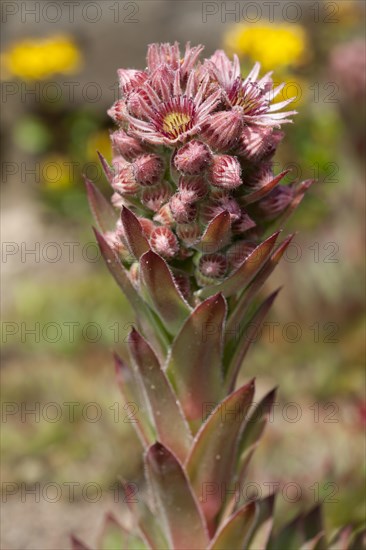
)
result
[(66, 435)]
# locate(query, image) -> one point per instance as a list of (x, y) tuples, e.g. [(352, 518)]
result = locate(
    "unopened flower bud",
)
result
[(126, 145), (147, 225), (258, 142), (273, 204), (193, 158), (117, 200), (225, 172), (155, 196), (189, 233), (129, 79), (211, 267), (214, 207), (183, 212), (164, 242), (164, 215), (134, 275), (192, 188), (262, 176), (148, 169), (242, 224), (124, 181), (117, 111), (222, 130)]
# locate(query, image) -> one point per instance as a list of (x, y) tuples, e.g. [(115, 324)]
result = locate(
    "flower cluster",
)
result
[(192, 159)]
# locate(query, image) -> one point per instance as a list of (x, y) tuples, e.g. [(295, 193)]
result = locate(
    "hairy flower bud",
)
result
[(223, 203), (189, 233), (222, 130), (126, 145), (155, 196), (147, 225), (211, 267), (148, 169), (129, 79), (183, 212), (164, 242), (192, 188), (124, 181), (225, 172), (242, 224), (258, 142), (164, 215), (273, 204), (193, 158), (117, 111)]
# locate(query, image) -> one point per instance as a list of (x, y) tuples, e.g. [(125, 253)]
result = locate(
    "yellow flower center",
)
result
[(176, 123)]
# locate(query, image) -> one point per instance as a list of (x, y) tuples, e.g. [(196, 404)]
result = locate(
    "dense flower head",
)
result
[(193, 159)]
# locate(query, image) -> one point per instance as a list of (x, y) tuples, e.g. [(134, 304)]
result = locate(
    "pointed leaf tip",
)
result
[(136, 239)]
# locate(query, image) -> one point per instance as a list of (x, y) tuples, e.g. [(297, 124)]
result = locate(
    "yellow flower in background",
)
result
[(274, 46), (57, 172), (99, 141), (39, 59)]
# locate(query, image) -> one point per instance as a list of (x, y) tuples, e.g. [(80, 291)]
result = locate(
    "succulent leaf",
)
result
[(245, 337), (163, 404), (136, 240), (176, 506), (102, 210), (234, 531), (263, 524), (194, 363), (216, 235), (162, 292), (144, 315), (212, 458), (131, 391)]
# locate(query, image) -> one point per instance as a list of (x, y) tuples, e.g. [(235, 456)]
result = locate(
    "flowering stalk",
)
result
[(190, 241)]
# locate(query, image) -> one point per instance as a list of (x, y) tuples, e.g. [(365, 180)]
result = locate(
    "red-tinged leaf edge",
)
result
[(234, 357), (162, 292), (131, 391), (162, 401), (245, 273), (260, 193), (176, 504), (241, 308), (194, 362), (103, 212), (216, 235), (136, 240), (234, 531), (212, 458), (106, 168)]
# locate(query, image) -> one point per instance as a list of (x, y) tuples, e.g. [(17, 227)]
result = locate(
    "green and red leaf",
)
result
[(162, 292), (176, 506), (135, 237), (210, 465), (162, 402), (194, 364), (245, 273), (216, 235), (103, 212), (234, 532)]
